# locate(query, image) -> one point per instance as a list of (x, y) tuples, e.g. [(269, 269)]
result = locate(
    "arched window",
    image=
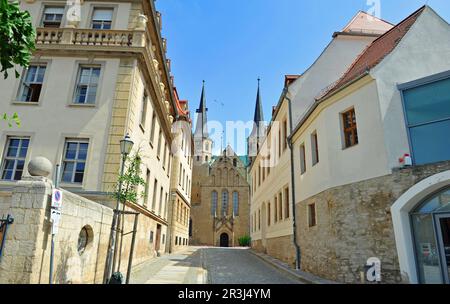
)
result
[(235, 162), (235, 203), (214, 203), (224, 202)]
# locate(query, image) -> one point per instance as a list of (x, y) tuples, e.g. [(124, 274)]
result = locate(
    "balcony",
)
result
[(89, 37)]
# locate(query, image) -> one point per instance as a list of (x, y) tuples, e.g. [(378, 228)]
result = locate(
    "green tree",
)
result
[(130, 181), (17, 37)]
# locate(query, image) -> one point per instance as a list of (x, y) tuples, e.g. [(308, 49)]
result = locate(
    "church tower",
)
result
[(202, 142), (256, 138)]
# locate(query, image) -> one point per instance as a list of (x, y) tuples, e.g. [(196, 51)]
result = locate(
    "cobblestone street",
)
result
[(207, 265)]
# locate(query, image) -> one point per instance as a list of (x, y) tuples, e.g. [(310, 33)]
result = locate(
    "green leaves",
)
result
[(130, 180), (14, 119), (17, 37)]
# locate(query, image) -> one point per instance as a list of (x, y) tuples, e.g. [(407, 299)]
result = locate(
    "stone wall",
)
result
[(354, 223)]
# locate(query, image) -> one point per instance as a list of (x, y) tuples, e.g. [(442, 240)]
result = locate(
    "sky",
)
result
[(230, 43)]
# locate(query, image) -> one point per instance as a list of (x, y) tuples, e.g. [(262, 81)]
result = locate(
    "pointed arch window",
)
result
[(214, 203), (224, 202), (235, 203)]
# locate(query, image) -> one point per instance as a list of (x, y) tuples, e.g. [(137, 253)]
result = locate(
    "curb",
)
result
[(301, 276)]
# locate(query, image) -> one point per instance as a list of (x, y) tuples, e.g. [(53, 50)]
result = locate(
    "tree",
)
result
[(129, 181), (17, 37)]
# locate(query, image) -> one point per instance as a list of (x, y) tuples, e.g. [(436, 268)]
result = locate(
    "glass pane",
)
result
[(85, 75), (19, 170), (71, 150), (81, 94), (428, 103), (426, 249), (67, 172), (7, 174), (40, 75), (23, 149), (431, 143), (97, 25), (12, 151), (83, 151), (91, 94), (31, 73), (445, 230), (9, 164), (106, 25), (95, 75), (438, 203)]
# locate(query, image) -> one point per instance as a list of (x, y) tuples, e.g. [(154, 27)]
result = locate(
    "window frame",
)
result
[(80, 67), (314, 148), (352, 129), (52, 5), (15, 158), (20, 91), (75, 161), (312, 210), (412, 85), (102, 7), (143, 111), (302, 150)]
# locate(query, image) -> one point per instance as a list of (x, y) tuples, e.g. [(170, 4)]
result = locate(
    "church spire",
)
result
[(259, 117), (201, 129)]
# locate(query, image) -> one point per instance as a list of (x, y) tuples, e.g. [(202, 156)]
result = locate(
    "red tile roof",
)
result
[(373, 54), (288, 79)]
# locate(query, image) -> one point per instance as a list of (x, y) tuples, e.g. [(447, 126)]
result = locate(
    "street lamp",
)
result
[(126, 145)]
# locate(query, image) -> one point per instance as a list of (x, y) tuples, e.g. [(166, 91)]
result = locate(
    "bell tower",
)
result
[(202, 142)]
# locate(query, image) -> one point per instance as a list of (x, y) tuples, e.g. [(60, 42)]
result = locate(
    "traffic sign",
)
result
[(57, 197)]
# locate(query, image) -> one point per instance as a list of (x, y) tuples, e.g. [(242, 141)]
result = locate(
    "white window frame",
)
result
[(76, 161), (48, 6), (102, 21), (15, 158), (23, 83), (89, 85)]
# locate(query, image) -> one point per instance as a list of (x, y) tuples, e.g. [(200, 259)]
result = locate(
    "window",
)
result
[(86, 89), (235, 162), (275, 206), (14, 157), (280, 206), (160, 201), (164, 156), (206, 158), (52, 16), (143, 110), (155, 189), (147, 188), (152, 131), (31, 86), (268, 213), (279, 142), (427, 111), (101, 18), (286, 203), (224, 202), (74, 162), (214, 203), (259, 219), (151, 236), (312, 215), (159, 144), (235, 203), (284, 134), (179, 175), (314, 149), (302, 159), (349, 128)]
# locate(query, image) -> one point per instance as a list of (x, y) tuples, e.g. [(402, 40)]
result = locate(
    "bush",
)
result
[(245, 241)]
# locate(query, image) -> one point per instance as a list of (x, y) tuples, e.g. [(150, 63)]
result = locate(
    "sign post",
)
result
[(55, 217)]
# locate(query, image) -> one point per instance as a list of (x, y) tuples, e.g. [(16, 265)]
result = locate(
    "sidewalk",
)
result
[(183, 267), (302, 276)]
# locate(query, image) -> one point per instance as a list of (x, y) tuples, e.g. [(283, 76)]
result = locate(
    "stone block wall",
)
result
[(354, 223)]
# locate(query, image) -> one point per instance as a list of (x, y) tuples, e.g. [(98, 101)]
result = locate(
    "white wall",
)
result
[(424, 51)]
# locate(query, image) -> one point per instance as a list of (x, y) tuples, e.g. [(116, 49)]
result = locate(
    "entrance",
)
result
[(431, 227), (224, 240), (158, 238)]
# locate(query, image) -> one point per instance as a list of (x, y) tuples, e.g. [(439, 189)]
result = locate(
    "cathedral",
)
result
[(220, 190)]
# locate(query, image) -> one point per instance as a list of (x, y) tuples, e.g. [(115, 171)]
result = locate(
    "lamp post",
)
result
[(126, 145)]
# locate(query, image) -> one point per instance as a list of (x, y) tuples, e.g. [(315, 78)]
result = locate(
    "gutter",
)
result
[(298, 255)]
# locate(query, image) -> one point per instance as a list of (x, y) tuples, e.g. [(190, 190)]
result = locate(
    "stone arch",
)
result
[(402, 222)]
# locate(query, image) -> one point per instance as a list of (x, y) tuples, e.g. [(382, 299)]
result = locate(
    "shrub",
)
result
[(245, 241)]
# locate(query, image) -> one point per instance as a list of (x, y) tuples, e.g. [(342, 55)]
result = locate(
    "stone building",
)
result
[(220, 191), (272, 214), (99, 72), (371, 160)]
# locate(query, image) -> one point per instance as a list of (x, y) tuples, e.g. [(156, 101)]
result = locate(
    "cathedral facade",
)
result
[(220, 191)]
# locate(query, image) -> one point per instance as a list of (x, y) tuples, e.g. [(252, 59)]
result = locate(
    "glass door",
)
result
[(443, 236)]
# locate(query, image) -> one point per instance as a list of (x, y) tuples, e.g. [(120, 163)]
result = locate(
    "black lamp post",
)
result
[(126, 145)]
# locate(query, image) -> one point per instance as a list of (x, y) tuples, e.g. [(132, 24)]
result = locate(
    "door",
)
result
[(224, 240), (158, 238), (443, 237)]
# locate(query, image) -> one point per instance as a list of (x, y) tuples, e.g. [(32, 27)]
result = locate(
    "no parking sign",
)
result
[(57, 198)]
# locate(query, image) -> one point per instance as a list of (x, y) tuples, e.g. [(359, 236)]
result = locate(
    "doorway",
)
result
[(224, 240), (158, 238)]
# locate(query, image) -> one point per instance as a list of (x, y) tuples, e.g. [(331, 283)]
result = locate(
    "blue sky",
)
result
[(230, 43)]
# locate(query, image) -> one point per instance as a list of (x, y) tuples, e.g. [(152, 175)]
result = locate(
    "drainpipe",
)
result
[(294, 219)]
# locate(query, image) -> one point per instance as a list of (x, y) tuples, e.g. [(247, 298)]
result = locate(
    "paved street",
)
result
[(201, 265)]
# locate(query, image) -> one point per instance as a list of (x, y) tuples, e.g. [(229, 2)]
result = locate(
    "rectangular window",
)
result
[(152, 131), (312, 215), (314, 149), (151, 236), (284, 134), (155, 190), (52, 16), (31, 86), (158, 153), (279, 142), (302, 159), (179, 174), (74, 162), (280, 206), (147, 188), (349, 128), (286, 203), (102, 18), (14, 157), (143, 110), (87, 82), (161, 197), (427, 110), (275, 207), (164, 156), (268, 214)]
